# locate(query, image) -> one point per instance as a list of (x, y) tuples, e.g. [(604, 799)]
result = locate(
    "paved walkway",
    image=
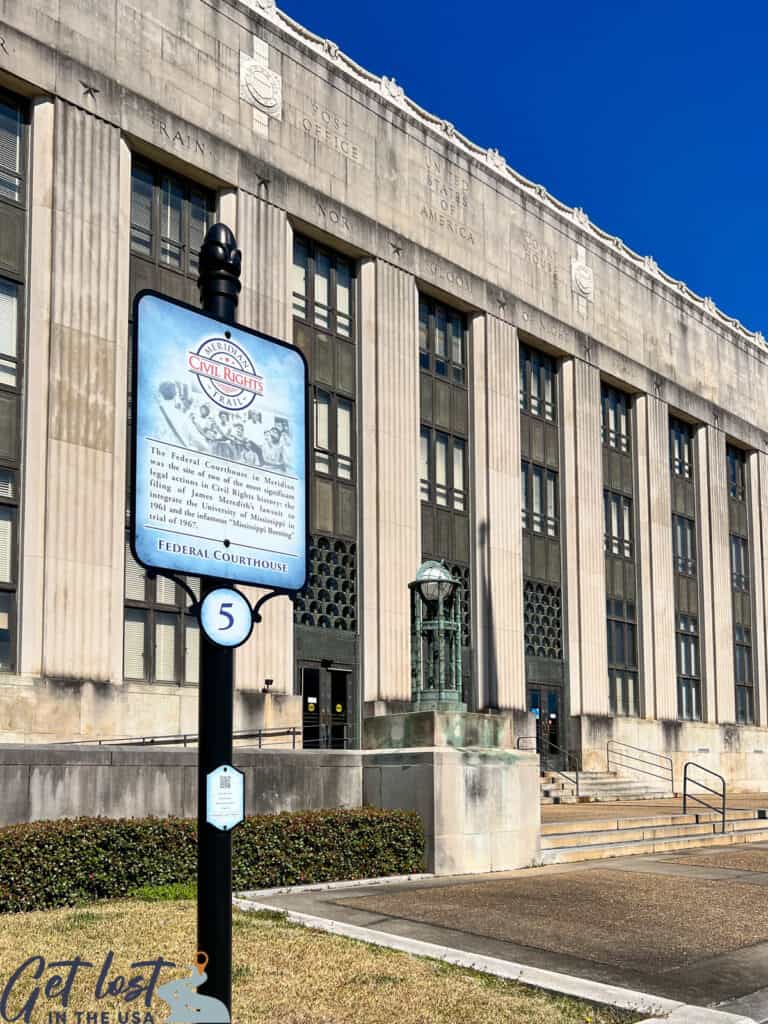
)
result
[(644, 808), (690, 926)]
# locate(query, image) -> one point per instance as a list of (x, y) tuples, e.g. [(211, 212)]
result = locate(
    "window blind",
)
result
[(134, 644), (9, 323), (134, 577), (7, 524), (165, 647)]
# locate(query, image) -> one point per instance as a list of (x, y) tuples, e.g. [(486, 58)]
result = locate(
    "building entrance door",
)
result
[(325, 698), (545, 703)]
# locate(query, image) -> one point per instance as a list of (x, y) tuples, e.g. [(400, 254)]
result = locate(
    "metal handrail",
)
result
[(181, 739), (690, 796), (570, 759), (617, 757)]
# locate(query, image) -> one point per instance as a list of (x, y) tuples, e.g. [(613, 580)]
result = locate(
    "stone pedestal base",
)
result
[(480, 808), (436, 728)]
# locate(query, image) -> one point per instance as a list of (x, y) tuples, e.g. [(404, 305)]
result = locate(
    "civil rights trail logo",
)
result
[(226, 374)]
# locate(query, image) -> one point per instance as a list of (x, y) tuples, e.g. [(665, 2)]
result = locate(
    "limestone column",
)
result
[(483, 669), (582, 509), (717, 588), (391, 506), (756, 486), (368, 469), (707, 613), (121, 404), (266, 240), (655, 517), (88, 327), (643, 560), (498, 578), (31, 590)]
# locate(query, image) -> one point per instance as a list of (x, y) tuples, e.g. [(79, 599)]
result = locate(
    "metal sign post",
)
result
[(219, 471), (219, 284)]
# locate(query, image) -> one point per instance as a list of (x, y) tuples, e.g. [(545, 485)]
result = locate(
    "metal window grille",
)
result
[(543, 620), (329, 600)]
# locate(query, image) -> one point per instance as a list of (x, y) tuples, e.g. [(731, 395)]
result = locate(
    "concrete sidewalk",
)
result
[(689, 928)]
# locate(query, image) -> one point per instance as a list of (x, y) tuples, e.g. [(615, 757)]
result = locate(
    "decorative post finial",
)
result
[(219, 278)]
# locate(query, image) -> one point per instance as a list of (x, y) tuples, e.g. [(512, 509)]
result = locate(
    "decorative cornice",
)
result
[(390, 90)]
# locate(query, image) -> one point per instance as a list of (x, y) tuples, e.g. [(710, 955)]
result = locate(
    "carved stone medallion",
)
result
[(260, 86)]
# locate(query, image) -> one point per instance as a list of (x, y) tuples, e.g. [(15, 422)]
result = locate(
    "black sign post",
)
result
[(219, 284), (186, 363)]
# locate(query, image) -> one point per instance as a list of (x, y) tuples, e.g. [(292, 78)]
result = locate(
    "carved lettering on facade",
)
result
[(177, 139), (538, 254), (545, 326), (447, 199), (331, 130), (334, 217), (457, 280)]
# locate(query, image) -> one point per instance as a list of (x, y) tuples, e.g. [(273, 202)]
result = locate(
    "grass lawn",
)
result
[(282, 972)]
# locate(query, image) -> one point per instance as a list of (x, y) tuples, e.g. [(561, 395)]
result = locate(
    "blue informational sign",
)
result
[(220, 449), (226, 617)]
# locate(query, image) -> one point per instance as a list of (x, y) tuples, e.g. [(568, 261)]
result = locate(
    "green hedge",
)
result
[(62, 863)]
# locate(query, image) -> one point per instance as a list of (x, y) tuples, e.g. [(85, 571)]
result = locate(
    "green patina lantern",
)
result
[(435, 639)]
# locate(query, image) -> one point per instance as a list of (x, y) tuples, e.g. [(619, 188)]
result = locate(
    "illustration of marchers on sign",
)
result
[(220, 449)]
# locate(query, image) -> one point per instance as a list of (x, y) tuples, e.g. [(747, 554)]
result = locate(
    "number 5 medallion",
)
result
[(226, 617)]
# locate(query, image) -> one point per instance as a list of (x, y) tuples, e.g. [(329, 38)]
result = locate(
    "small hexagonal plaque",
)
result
[(225, 797)]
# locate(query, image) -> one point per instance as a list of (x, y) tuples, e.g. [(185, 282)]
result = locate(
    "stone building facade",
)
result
[(496, 382)]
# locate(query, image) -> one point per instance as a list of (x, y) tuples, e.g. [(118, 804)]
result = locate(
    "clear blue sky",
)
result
[(651, 116)]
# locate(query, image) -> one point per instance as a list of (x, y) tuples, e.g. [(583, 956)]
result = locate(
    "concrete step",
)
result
[(627, 835), (744, 824), (573, 854), (617, 795), (620, 785), (612, 824), (739, 819), (612, 785), (624, 835)]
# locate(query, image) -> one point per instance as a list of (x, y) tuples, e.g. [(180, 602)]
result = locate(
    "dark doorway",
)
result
[(325, 699), (545, 703)]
